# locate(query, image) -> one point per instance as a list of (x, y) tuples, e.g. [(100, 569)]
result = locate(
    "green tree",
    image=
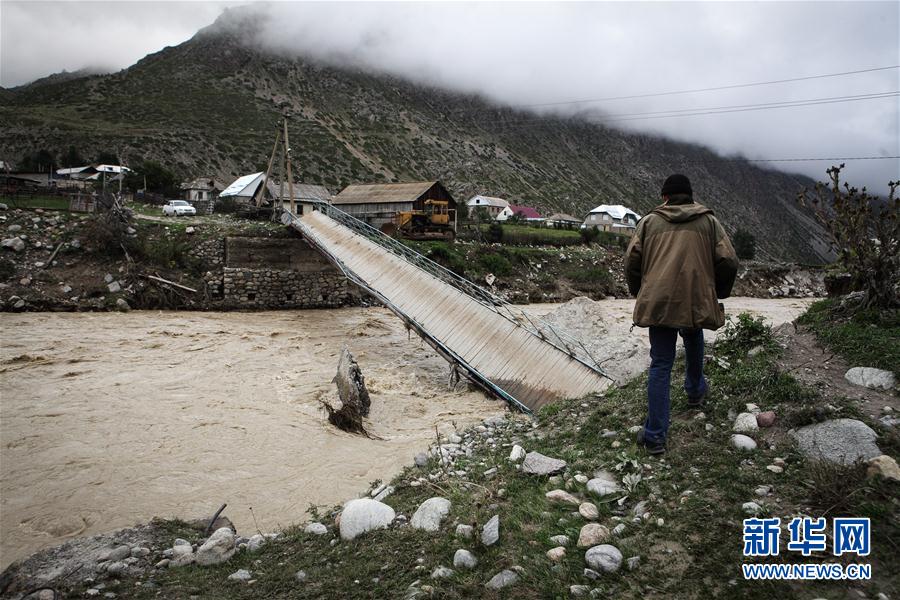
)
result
[(37, 162), (481, 215), (107, 158), (71, 158), (744, 244), (159, 179)]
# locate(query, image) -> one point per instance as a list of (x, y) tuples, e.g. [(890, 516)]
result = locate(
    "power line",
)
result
[(695, 90), (775, 104), (691, 112), (809, 159)]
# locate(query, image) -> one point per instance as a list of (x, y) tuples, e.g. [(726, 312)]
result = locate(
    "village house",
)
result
[(303, 192), (612, 217), (527, 214), (202, 188), (563, 221), (504, 214), (493, 206), (378, 204), (86, 176), (245, 189)]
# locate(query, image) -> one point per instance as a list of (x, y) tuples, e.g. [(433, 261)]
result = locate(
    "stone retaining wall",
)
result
[(271, 273), (270, 288), (211, 252)]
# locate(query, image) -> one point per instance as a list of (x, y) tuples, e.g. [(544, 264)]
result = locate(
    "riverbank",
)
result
[(69, 262)]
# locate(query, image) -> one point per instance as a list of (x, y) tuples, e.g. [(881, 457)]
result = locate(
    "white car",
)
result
[(177, 208)]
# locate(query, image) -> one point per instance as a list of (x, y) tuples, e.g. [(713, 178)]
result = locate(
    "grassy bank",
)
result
[(687, 533), (869, 338), (532, 274)]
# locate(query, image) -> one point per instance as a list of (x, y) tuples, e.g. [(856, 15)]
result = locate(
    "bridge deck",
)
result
[(486, 344)]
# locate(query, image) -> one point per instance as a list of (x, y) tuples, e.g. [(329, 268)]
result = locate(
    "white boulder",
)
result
[(362, 515)]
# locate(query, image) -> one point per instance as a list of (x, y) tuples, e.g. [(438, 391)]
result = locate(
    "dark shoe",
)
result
[(653, 448), (697, 403)]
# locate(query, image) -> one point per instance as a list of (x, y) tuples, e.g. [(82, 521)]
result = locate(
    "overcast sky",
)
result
[(536, 53)]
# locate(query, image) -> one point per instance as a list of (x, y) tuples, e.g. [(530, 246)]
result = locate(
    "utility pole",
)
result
[(265, 184), (287, 159)]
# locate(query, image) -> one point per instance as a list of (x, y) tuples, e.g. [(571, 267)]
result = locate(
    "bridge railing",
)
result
[(534, 325)]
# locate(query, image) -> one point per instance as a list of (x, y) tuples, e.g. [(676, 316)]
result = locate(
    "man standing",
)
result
[(679, 262)]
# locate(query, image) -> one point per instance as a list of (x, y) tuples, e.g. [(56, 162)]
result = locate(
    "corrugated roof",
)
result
[(487, 201), (240, 184), (202, 183), (73, 170), (302, 191), (616, 211), (382, 192), (563, 217), (112, 169)]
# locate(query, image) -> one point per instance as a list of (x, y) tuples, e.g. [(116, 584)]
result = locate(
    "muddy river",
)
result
[(109, 419)]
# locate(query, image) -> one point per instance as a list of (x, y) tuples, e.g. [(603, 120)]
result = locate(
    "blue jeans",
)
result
[(662, 357)]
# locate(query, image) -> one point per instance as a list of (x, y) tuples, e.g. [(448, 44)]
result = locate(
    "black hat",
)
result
[(676, 184)]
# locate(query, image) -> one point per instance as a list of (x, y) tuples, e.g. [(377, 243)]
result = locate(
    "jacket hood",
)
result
[(680, 213)]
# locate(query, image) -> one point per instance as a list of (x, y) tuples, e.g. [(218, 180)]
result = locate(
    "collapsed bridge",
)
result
[(500, 348)]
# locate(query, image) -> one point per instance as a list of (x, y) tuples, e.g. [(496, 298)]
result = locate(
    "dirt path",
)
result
[(807, 360)]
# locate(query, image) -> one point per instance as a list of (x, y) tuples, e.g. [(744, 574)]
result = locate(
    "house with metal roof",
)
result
[(377, 204), (526, 213), (493, 206), (303, 192), (562, 220), (612, 217), (243, 189)]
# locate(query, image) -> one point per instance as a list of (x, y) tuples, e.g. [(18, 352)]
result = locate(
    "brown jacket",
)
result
[(678, 263)]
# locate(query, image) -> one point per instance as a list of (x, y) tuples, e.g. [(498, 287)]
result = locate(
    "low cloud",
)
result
[(534, 54)]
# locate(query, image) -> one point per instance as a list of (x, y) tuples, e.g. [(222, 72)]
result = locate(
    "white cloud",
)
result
[(530, 53)]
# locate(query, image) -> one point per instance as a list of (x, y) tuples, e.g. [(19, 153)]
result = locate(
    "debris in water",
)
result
[(354, 397)]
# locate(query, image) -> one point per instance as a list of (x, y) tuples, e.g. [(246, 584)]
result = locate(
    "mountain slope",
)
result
[(211, 105)]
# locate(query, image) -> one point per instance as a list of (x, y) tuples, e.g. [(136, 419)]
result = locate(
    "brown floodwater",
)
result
[(110, 419)]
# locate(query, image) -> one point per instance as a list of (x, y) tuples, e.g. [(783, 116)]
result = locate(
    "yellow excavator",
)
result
[(432, 223)]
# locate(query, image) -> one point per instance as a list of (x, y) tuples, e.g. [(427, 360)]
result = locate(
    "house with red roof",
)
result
[(526, 213)]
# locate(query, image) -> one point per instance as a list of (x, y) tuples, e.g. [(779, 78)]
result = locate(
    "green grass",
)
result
[(47, 202), (591, 275), (526, 235), (869, 338), (697, 489)]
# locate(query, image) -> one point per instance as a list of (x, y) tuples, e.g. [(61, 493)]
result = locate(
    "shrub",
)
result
[(744, 244), (743, 334), (443, 256), (865, 234), (589, 235), (495, 263), (494, 233)]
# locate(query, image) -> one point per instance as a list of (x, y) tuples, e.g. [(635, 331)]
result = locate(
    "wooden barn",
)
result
[(378, 204)]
